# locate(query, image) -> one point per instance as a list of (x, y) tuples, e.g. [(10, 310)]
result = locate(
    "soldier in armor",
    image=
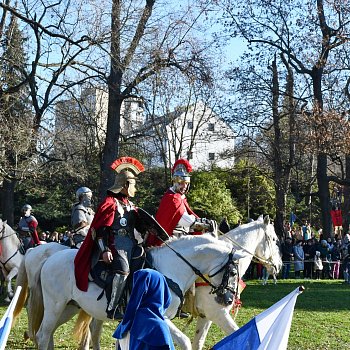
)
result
[(27, 227), (82, 215), (113, 233), (174, 213)]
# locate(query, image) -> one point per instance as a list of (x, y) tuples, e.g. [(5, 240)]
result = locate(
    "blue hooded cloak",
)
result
[(143, 318)]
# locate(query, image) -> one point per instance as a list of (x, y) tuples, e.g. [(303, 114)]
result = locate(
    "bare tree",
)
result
[(53, 44), (146, 39), (313, 37)]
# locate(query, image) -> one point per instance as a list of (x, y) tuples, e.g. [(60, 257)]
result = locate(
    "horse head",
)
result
[(225, 292), (268, 250), (224, 280)]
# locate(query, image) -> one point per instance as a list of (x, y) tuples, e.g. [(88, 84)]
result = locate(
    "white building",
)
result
[(195, 133), (89, 112)]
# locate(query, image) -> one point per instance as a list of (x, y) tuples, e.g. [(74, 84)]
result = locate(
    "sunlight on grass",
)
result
[(321, 318)]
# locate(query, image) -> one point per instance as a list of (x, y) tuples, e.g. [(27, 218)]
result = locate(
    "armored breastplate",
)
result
[(23, 225), (123, 223)]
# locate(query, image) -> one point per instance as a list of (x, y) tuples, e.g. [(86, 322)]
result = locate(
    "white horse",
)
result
[(10, 255), (58, 285), (29, 279), (32, 263), (259, 240)]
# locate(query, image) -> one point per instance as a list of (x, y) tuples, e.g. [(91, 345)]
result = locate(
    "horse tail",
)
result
[(81, 327), (21, 280), (35, 309)]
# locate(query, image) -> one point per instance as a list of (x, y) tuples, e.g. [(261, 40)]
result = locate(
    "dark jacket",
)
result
[(287, 251), (309, 251)]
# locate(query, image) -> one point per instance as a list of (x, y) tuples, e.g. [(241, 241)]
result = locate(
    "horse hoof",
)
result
[(7, 300)]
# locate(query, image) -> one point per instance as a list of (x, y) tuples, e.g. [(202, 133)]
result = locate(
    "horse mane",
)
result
[(174, 241), (8, 227), (242, 229)]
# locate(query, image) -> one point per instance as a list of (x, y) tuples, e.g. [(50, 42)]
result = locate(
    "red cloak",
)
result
[(171, 208), (337, 218), (104, 217)]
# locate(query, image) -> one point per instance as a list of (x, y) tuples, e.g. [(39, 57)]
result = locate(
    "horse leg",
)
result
[(178, 337), (3, 283), (224, 320), (219, 314), (96, 331), (202, 329), (52, 313), (9, 277)]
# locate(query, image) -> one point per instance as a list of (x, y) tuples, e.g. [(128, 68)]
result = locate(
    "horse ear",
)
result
[(266, 220), (260, 218)]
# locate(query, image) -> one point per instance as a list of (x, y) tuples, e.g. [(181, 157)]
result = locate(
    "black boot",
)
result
[(115, 314), (118, 285)]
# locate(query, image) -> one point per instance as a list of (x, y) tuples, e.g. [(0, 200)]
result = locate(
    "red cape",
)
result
[(172, 206), (337, 218), (104, 217)]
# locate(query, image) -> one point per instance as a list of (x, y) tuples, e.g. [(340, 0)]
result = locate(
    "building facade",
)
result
[(195, 132)]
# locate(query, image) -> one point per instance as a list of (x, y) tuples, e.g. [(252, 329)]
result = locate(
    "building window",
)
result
[(211, 126), (189, 155), (189, 125), (211, 156)]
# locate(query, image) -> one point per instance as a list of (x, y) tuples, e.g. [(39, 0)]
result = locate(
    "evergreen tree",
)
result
[(15, 115)]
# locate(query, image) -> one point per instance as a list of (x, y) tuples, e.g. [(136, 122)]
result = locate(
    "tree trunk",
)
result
[(323, 194), (7, 196), (277, 162), (115, 99), (346, 204), (321, 172)]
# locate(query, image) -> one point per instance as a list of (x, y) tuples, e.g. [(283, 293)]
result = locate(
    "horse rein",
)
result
[(200, 274), (1, 238), (255, 257)]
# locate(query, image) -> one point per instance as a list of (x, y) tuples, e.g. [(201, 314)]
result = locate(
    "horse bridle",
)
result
[(256, 258), (226, 268), (3, 237)]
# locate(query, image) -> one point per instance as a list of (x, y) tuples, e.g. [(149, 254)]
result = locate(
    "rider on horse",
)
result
[(28, 226), (174, 214), (111, 236), (82, 215)]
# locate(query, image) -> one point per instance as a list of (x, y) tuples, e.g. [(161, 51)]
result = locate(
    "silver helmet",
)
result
[(181, 171), (81, 191), (26, 207)]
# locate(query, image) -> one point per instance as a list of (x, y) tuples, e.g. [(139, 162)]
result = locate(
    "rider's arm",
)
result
[(187, 220), (32, 225), (102, 238)]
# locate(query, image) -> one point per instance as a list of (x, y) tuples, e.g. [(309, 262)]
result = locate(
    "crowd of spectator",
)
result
[(65, 238), (306, 254)]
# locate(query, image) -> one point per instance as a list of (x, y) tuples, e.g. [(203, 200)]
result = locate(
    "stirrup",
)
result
[(115, 314)]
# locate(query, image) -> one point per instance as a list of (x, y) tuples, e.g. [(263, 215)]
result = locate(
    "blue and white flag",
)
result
[(292, 219), (6, 321), (268, 330)]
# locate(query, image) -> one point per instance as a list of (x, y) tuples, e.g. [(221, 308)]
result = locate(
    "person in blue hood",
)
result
[(143, 326)]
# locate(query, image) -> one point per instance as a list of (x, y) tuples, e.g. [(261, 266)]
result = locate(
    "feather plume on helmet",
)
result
[(127, 169), (181, 171)]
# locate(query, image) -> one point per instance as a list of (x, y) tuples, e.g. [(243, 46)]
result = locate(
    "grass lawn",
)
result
[(321, 317)]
